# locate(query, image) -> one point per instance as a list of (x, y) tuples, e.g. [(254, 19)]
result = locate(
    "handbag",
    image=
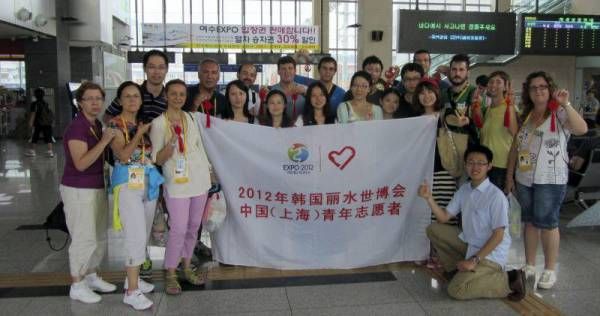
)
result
[(452, 147), (57, 220)]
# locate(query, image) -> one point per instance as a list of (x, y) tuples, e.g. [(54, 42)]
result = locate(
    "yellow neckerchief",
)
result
[(183, 129), (126, 132)]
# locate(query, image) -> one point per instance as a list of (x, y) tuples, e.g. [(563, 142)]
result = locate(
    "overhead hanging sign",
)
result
[(450, 32), (231, 36), (555, 34)]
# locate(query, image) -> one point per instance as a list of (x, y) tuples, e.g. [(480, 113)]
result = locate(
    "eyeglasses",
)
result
[(90, 99), (538, 88), (361, 86), (477, 163)]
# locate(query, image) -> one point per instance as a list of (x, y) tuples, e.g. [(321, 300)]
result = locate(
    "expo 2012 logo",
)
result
[(298, 153)]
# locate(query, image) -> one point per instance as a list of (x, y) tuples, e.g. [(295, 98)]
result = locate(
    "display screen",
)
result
[(451, 32), (555, 34)]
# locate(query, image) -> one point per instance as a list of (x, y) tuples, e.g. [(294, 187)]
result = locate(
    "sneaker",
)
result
[(30, 153), (547, 279), (137, 300), (81, 292), (50, 153), (529, 271), (143, 286), (95, 283)]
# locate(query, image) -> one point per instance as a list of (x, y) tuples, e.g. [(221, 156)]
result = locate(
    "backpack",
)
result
[(45, 117)]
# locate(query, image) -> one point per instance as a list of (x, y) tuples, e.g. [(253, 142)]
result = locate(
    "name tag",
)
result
[(136, 178), (181, 174), (524, 161)]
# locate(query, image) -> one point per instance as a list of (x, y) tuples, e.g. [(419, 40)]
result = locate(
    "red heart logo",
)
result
[(342, 157)]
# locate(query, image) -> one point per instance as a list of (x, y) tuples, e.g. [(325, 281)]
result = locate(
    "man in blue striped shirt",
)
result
[(156, 66)]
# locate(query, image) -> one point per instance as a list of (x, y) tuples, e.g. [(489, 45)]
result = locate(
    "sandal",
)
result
[(172, 286), (196, 279)]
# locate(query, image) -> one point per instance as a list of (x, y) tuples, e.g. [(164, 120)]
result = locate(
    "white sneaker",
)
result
[(95, 283), (137, 300), (30, 153), (547, 279), (81, 292), (143, 286), (529, 272), (50, 153)]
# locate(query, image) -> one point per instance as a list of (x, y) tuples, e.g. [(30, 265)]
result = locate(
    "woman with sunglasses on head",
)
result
[(177, 147), (538, 161)]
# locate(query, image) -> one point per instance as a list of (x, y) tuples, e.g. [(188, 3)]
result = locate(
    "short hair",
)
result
[(461, 58), (173, 82), (327, 59), (286, 60), (482, 80), (372, 60), (422, 51), (155, 52), (207, 61), (361, 74), (412, 67), (85, 86), (127, 84), (480, 149), (501, 74), (239, 71), (39, 93)]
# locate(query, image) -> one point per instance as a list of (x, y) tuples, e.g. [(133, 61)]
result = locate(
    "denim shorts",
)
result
[(540, 204)]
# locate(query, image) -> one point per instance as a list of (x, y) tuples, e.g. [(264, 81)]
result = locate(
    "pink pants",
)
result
[(185, 217)]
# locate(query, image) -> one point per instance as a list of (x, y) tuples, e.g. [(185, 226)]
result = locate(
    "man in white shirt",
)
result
[(247, 74), (475, 257)]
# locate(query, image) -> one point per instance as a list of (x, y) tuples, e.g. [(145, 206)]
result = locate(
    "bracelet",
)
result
[(475, 259)]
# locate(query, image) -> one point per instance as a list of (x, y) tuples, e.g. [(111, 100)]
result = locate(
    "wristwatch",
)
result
[(475, 259)]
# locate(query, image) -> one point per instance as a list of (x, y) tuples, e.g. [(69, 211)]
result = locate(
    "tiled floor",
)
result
[(29, 191)]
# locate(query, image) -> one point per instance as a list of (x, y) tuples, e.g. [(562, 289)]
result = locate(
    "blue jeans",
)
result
[(540, 204)]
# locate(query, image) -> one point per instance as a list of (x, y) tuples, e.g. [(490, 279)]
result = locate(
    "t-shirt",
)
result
[(547, 152), (151, 106), (292, 108), (92, 177), (450, 100), (345, 113), (136, 156), (218, 100), (495, 136), (483, 209), (39, 107), (405, 109)]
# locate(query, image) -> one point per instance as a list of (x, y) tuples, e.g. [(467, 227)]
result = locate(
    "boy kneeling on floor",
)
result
[(474, 258)]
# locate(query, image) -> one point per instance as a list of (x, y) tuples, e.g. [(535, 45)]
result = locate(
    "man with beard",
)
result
[(247, 74), (206, 90), (459, 97), (286, 68), (156, 66), (411, 75)]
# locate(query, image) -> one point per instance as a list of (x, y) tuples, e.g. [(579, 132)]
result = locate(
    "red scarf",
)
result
[(178, 131), (553, 107), (207, 106), (507, 112)]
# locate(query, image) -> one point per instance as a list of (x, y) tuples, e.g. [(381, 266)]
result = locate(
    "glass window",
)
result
[(342, 39), (12, 74)]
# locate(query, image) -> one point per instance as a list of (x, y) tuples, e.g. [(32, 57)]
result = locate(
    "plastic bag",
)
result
[(216, 210), (514, 216)]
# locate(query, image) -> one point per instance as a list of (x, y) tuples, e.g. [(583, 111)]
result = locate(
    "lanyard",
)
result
[(126, 132), (214, 102), (182, 148), (460, 95)]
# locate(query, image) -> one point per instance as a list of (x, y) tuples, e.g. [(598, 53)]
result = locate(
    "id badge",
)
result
[(524, 161), (136, 178), (181, 175)]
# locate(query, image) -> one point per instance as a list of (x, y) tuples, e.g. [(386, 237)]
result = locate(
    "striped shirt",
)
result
[(151, 106)]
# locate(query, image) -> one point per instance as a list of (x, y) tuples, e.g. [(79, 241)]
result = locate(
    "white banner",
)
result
[(332, 196), (232, 36)]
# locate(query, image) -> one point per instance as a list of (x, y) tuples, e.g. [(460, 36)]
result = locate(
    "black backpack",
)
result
[(56, 220)]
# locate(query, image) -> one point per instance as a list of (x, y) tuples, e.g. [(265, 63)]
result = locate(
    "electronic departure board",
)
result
[(456, 32), (554, 34)]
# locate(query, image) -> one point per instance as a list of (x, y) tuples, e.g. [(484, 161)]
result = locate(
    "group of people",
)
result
[(154, 134)]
